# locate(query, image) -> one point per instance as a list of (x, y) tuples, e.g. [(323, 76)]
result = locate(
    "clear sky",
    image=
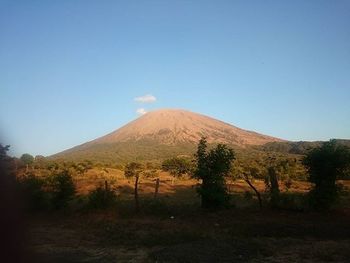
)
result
[(70, 70)]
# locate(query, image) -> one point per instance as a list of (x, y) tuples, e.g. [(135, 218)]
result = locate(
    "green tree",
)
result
[(176, 166), (212, 168), (325, 165), (27, 159), (83, 167), (133, 170)]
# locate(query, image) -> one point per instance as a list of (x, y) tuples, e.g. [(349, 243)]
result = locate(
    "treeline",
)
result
[(324, 165), (211, 166)]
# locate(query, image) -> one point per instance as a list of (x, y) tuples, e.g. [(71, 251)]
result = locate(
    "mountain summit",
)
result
[(178, 126), (164, 131)]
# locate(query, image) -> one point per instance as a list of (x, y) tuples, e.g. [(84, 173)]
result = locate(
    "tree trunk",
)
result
[(156, 188), (274, 190), (136, 194), (255, 190)]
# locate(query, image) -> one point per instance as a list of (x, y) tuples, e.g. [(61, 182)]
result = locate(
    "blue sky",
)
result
[(70, 70)]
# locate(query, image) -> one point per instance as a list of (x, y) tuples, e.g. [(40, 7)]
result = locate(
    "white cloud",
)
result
[(141, 111), (146, 99)]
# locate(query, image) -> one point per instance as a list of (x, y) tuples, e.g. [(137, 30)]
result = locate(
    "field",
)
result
[(173, 228)]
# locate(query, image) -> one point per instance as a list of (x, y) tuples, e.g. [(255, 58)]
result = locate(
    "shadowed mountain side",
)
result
[(301, 147)]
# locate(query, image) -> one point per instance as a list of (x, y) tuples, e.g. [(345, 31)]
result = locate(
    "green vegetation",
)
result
[(301, 147), (177, 167), (325, 165), (279, 171), (33, 194), (170, 224), (27, 160), (46, 193), (102, 197), (212, 168), (62, 189), (125, 152)]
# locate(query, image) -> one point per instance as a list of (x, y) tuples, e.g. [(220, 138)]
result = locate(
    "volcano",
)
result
[(160, 132)]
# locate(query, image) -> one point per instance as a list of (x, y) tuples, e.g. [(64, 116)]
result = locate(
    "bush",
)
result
[(32, 191), (101, 197), (62, 189)]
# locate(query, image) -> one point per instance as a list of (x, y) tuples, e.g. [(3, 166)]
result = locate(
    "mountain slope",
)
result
[(166, 131)]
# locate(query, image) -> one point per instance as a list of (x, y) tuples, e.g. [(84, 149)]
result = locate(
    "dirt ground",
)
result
[(228, 236)]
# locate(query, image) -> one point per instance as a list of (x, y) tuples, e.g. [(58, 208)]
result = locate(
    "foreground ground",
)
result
[(172, 228), (228, 236)]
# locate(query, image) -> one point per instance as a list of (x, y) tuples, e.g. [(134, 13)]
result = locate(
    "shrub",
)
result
[(62, 189), (32, 191), (102, 197)]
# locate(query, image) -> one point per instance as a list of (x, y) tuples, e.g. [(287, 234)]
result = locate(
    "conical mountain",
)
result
[(166, 129), (177, 126)]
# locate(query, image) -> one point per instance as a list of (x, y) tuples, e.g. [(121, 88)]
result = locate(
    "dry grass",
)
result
[(173, 228), (168, 185)]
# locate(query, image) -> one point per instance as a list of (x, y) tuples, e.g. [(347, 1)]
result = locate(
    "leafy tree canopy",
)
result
[(212, 168), (177, 166), (26, 158)]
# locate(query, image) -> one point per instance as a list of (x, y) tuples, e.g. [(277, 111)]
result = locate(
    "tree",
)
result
[(176, 166), (273, 186), (325, 165), (212, 168), (133, 170), (248, 172), (27, 159), (3, 152), (83, 167)]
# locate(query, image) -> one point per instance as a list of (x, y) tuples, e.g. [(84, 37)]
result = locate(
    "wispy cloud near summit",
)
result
[(146, 99), (141, 111)]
